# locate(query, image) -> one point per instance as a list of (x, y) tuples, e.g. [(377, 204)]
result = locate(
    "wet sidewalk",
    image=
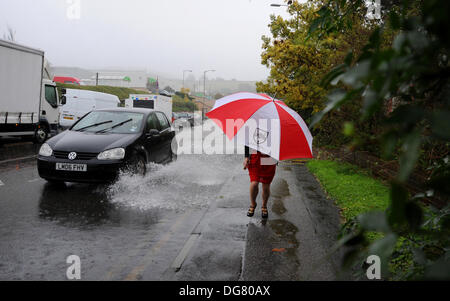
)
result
[(291, 245), (302, 227)]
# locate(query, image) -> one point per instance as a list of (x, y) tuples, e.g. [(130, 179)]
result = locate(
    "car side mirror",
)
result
[(153, 133), (63, 100)]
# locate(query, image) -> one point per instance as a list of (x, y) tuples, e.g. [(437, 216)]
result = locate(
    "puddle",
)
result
[(278, 206), (279, 190), (286, 232)]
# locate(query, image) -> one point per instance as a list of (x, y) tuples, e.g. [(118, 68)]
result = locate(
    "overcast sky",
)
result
[(165, 36)]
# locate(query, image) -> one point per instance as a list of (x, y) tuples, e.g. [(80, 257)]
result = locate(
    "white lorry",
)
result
[(151, 101), (80, 102), (28, 97)]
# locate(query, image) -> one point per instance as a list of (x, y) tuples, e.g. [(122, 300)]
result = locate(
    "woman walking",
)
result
[(261, 169)]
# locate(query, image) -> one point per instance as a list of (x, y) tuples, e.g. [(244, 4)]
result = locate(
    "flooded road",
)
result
[(118, 230), (182, 221)]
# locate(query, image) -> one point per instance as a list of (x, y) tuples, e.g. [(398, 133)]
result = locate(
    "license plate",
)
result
[(71, 167)]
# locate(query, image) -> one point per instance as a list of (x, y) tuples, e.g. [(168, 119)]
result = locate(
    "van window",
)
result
[(162, 121), (50, 96)]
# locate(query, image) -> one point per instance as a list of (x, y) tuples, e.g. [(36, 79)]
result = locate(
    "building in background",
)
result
[(128, 79)]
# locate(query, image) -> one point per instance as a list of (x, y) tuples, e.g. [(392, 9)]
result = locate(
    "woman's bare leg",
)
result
[(254, 192), (265, 194)]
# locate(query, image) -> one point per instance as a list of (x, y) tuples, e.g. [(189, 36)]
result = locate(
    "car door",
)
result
[(153, 144), (166, 135)]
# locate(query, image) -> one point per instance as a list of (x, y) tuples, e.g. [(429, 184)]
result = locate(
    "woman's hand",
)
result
[(246, 161)]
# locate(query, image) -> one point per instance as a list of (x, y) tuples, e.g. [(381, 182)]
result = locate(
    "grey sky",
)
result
[(166, 35)]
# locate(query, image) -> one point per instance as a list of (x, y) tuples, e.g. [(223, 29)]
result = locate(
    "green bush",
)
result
[(183, 104), (121, 92)]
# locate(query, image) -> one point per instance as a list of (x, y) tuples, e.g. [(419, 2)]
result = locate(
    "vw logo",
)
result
[(72, 156), (260, 136)]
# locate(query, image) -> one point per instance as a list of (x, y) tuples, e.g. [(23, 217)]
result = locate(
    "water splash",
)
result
[(191, 181)]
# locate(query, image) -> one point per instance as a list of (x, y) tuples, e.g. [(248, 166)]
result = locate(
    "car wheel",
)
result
[(137, 165), (173, 156), (41, 134)]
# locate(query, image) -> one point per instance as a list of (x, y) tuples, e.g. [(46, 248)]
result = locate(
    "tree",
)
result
[(299, 61), (414, 69), (182, 103), (218, 96), (185, 91)]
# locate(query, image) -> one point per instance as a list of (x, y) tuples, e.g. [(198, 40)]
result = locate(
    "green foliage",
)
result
[(363, 200), (354, 191), (121, 92), (181, 104), (299, 63), (413, 72), (218, 96), (296, 65)]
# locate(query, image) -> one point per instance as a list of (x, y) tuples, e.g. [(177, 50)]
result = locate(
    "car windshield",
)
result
[(110, 122), (183, 115)]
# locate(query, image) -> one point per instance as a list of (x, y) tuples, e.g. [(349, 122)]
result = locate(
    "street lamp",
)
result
[(278, 5), (184, 71), (287, 5), (204, 82), (204, 89)]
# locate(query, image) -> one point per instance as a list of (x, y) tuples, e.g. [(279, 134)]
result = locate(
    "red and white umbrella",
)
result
[(264, 124)]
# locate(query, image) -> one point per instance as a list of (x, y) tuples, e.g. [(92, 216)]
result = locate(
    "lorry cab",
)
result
[(49, 107)]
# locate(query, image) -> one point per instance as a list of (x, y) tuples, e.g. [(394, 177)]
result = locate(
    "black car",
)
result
[(104, 142)]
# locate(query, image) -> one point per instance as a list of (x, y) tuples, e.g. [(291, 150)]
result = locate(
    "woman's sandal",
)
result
[(251, 211), (264, 212)]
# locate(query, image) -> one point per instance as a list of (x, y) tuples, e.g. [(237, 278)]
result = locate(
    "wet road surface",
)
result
[(182, 221), (118, 230)]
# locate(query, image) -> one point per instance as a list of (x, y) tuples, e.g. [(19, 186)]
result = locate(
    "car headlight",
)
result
[(45, 150), (112, 154)]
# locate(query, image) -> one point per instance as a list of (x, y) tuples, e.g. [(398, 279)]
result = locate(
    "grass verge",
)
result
[(356, 192), (353, 189), (121, 92)]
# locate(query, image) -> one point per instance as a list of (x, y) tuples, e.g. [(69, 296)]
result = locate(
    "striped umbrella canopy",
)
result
[(264, 124)]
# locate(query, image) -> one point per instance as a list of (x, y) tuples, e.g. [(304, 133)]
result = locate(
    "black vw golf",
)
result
[(104, 142)]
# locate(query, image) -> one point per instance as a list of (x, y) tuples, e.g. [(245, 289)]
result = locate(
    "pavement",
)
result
[(183, 221), (292, 244)]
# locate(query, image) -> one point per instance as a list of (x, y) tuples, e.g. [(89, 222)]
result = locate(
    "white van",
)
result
[(81, 102)]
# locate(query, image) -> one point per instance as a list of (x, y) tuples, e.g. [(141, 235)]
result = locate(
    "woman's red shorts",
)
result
[(260, 172)]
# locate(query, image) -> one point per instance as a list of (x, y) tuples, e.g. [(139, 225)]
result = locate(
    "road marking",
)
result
[(178, 262), (18, 159), (34, 180), (146, 261), (1, 183)]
